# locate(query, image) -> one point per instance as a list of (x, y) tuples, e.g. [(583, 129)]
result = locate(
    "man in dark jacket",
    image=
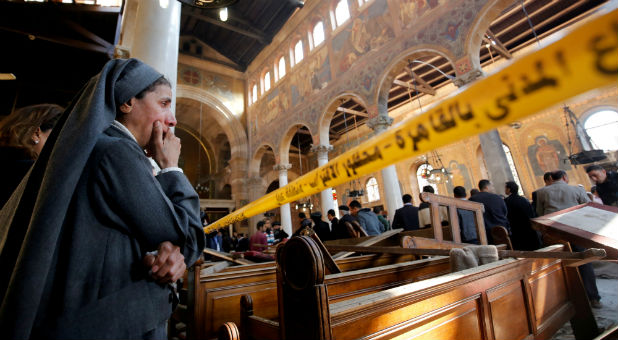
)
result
[(340, 230), (519, 214), (467, 224), (406, 217), (607, 184), (320, 227), (495, 208)]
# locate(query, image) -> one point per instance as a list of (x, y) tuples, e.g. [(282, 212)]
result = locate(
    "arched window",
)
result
[(254, 93), (342, 12), (281, 68), (601, 126), (422, 177), (509, 159), (266, 86), (362, 2), (318, 34), (373, 193), (297, 55)]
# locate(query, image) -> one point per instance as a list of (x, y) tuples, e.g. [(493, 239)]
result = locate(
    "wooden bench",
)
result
[(452, 204), (348, 285), (214, 293), (507, 299)]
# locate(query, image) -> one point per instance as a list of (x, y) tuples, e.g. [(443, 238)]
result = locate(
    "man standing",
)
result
[(424, 211), (559, 195), (258, 241), (547, 180), (467, 224), (339, 230), (495, 208), (333, 221), (367, 219), (406, 217), (92, 241), (606, 184), (519, 214)]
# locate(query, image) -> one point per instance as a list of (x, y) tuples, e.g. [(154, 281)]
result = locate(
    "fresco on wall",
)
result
[(411, 9), (277, 101), (311, 77), (459, 177), (370, 30), (190, 76), (547, 155)]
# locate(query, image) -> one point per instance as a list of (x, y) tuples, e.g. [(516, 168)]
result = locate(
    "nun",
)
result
[(93, 239)]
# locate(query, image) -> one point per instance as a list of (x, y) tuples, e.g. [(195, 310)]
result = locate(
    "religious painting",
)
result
[(369, 31), (412, 9), (190, 76), (547, 155), (219, 86), (459, 176)]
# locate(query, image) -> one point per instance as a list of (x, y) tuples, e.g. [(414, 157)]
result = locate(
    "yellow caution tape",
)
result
[(584, 59)]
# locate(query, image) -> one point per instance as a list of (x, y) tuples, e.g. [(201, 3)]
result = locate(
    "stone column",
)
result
[(392, 191), (150, 32), (326, 196), (286, 214), (498, 168), (238, 179), (491, 144), (256, 189)]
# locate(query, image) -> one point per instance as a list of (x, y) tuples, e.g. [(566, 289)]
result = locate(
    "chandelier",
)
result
[(306, 205), (438, 175)]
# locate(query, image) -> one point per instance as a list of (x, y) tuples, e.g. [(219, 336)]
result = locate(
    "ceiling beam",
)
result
[(254, 35), (354, 112), (494, 42), (63, 41), (421, 84), (89, 35)]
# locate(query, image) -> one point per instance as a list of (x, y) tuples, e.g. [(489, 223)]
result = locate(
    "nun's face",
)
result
[(154, 106)]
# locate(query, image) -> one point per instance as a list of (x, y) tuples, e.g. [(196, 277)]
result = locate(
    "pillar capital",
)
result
[(468, 77), (282, 167), (321, 148), (380, 123)]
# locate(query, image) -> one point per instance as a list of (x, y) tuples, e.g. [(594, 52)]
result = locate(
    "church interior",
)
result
[(267, 91)]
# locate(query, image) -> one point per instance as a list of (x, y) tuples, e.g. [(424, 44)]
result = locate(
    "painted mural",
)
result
[(227, 89), (459, 177), (370, 30), (312, 77), (547, 155), (412, 9)]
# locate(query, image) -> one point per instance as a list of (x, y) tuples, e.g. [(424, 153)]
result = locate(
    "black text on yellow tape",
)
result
[(584, 59)]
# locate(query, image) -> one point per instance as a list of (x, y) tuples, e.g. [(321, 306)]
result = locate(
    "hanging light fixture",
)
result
[(302, 204), (223, 14)]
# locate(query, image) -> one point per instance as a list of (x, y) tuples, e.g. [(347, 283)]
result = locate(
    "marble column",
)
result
[(495, 160), (390, 180), (286, 214), (150, 32), (326, 196)]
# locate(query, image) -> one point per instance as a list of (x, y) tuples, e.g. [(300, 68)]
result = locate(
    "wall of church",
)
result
[(355, 58)]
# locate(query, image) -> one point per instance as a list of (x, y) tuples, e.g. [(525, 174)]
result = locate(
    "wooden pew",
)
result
[(348, 285), (507, 299), (215, 294), (436, 201)]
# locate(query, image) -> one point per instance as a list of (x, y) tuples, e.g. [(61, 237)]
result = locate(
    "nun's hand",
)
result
[(168, 265), (164, 148)]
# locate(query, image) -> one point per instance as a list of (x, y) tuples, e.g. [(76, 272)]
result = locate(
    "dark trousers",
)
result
[(587, 273), (159, 333)]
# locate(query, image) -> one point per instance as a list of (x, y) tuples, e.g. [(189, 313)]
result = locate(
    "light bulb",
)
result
[(223, 14)]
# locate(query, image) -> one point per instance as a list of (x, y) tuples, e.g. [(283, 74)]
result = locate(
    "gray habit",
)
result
[(74, 233)]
